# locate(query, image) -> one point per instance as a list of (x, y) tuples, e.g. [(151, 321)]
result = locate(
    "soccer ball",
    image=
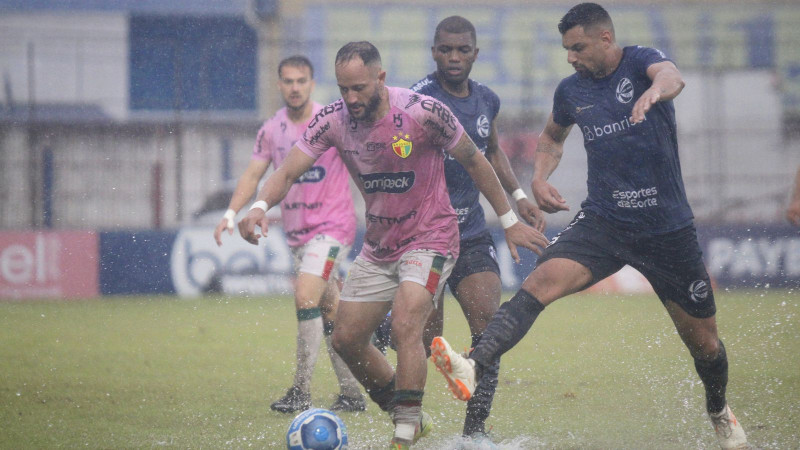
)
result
[(316, 429)]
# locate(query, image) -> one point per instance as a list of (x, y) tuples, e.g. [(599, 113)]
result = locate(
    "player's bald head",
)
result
[(590, 16), (363, 50), (455, 25)]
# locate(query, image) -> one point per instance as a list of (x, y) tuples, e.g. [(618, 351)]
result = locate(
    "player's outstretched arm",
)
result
[(274, 190), (499, 160), (481, 172), (548, 154), (667, 84), (245, 189)]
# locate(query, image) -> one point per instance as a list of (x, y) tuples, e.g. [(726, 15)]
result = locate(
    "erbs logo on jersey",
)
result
[(624, 91), (391, 183), (483, 126), (313, 175)]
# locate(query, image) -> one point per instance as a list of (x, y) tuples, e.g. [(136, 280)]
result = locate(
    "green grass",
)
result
[(594, 372)]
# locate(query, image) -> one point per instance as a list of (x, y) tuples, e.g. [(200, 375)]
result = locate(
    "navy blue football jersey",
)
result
[(634, 171), (476, 113)]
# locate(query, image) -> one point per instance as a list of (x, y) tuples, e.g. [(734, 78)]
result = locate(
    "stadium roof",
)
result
[(236, 7)]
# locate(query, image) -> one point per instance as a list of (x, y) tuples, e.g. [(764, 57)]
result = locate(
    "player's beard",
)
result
[(582, 71), (369, 108)]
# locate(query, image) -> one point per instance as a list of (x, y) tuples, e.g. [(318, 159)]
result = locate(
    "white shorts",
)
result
[(321, 256), (371, 282)]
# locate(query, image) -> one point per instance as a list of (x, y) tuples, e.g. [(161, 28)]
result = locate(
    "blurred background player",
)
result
[(475, 281), (319, 223), (636, 211), (793, 211), (391, 140)]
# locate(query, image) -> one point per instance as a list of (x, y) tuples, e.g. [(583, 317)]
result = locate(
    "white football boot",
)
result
[(457, 369), (730, 433)]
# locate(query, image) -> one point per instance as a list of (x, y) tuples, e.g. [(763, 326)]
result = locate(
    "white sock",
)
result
[(309, 338)]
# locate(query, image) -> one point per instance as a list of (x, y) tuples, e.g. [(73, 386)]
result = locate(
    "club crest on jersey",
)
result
[(483, 126), (401, 146), (624, 91)]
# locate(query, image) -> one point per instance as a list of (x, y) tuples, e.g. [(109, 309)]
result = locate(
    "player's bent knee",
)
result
[(340, 342), (404, 335), (346, 343), (556, 278)]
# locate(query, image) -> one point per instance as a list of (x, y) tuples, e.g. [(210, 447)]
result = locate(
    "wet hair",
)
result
[(296, 61), (586, 15), (456, 25), (363, 49)]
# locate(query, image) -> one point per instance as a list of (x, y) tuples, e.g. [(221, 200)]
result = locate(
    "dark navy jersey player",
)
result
[(636, 212), (634, 172), (475, 279)]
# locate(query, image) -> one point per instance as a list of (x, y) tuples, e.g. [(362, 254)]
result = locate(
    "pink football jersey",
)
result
[(397, 163), (320, 201)]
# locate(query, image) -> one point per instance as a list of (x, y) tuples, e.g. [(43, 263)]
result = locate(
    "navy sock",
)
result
[(383, 396), (714, 375), (508, 326), (480, 404)]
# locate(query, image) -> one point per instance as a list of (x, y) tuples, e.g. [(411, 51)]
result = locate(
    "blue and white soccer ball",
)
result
[(317, 429)]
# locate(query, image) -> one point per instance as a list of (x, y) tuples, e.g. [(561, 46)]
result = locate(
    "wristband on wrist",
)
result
[(519, 194), (229, 215), (508, 219), (261, 204)]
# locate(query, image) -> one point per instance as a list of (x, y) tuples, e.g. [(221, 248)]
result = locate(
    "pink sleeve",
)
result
[(261, 149), (318, 137)]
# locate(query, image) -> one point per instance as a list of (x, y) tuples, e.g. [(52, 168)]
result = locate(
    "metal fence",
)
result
[(151, 175)]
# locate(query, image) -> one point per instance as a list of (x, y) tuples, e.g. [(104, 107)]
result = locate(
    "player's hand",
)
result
[(649, 98), (523, 235), (793, 213), (547, 197), (223, 225), (247, 227), (531, 213)]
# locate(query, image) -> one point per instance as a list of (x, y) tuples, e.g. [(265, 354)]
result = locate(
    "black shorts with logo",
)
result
[(672, 262), (477, 254)]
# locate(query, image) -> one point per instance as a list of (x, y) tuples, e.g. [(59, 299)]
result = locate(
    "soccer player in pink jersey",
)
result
[(392, 141), (319, 222)]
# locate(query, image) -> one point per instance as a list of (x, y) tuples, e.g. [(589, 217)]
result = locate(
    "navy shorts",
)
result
[(672, 262), (478, 254)]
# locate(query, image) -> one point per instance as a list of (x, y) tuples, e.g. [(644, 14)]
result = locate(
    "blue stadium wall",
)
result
[(185, 261)]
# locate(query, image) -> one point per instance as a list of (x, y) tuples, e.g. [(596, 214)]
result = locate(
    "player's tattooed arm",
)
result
[(550, 147), (548, 155), (465, 148)]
